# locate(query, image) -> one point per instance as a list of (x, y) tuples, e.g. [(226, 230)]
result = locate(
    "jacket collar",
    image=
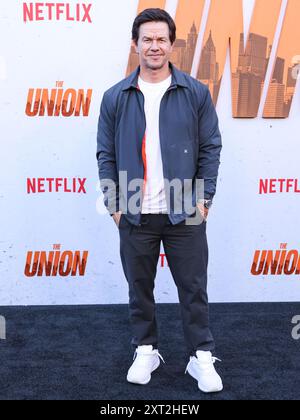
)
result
[(177, 78)]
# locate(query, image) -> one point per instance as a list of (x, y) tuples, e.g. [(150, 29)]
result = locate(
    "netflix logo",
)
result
[(56, 263), (78, 12), (163, 261), (279, 186), (56, 185)]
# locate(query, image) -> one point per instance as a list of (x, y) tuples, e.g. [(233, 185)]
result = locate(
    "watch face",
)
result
[(208, 204)]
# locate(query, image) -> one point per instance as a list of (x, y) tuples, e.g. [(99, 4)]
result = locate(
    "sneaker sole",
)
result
[(156, 366), (205, 390)]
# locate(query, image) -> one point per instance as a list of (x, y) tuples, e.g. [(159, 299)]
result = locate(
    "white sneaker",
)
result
[(146, 361), (202, 369)]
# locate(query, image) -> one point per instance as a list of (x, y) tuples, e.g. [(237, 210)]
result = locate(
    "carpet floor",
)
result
[(84, 352)]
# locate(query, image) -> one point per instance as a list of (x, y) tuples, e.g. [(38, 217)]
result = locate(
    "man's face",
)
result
[(154, 45)]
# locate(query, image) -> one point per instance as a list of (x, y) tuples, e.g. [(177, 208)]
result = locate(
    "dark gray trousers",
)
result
[(186, 251)]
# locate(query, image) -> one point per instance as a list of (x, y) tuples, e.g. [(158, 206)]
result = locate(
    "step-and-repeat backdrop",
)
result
[(57, 243)]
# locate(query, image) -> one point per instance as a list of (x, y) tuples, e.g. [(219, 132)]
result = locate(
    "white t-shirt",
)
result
[(154, 197)]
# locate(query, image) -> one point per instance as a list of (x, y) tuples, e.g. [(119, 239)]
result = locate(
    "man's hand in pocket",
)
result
[(203, 211), (117, 218)]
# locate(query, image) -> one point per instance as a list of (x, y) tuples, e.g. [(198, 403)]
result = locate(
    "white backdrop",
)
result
[(94, 56)]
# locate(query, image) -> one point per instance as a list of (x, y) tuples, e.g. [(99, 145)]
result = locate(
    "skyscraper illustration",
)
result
[(249, 75), (208, 72)]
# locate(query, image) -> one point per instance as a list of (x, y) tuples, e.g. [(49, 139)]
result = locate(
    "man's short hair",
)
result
[(153, 15)]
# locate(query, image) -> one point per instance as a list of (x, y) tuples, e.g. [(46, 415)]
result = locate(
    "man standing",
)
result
[(158, 126)]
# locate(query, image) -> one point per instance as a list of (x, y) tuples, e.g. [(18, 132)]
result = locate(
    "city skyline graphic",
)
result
[(248, 78), (250, 56)]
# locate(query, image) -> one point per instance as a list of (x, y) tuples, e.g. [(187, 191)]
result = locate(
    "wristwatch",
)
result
[(207, 203)]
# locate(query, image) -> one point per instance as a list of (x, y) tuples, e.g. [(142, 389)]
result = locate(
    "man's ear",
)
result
[(135, 47)]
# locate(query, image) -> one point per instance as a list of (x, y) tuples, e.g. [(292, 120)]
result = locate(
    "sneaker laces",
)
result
[(154, 352), (208, 364)]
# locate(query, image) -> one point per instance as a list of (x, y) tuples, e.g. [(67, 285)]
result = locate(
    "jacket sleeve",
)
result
[(106, 155), (210, 145)]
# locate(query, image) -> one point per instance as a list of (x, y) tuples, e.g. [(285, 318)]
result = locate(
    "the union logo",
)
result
[(276, 262), (58, 102), (56, 263)]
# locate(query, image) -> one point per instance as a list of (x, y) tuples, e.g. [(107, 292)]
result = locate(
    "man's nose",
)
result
[(154, 45)]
